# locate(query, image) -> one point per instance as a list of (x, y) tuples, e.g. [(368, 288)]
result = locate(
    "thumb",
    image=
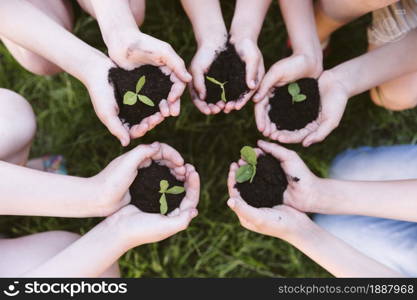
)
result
[(116, 128), (181, 221), (251, 72)]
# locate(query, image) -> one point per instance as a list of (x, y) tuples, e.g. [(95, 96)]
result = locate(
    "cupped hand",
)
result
[(112, 184), (249, 52), (200, 64), (304, 188), (167, 107)]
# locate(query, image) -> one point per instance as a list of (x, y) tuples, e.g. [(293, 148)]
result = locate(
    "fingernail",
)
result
[(124, 142), (231, 203), (194, 213), (188, 77), (155, 145), (253, 84), (256, 97)]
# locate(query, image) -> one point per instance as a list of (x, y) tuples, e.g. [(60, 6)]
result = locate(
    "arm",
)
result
[(29, 192), (43, 36), (296, 228), (385, 199), (129, 227)]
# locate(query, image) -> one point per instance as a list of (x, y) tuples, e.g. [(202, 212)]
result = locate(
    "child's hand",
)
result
[(169, 107), (287, 70), (249, 52), (200, 64), (137, 228), (304, 188), (141, 228), (334, 97)]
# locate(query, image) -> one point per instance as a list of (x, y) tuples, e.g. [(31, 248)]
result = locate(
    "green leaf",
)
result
[(163, 185), (129, 98), (144, 99), (244, 173), (163, 204), (223, 96), (140, 84), (293, 89), (249, 155), (175, 190), (214, 80), (299, 98)]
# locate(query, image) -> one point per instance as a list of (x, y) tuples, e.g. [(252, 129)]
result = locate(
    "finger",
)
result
[(279, 152), (177, 90), (251, 72), (140, 130), (175, 108), (177, 65), (164, 108), (320, 134), (199, 84), (154, 120), (132, 159), (229, 106), (168, 153), (241, 102), (268, 82), (296, 136), (214, 109), (245, 211), (181, 221), (192, 185), (202, 106), (260, 114), (116, 128), (231, 181)]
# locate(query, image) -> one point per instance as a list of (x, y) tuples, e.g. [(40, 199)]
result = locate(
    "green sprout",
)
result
[(221, 85), (247, 172), (294, 90), (165, 189), (130, 98)]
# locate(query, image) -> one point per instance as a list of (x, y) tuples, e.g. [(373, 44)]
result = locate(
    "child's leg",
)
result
[(331, 15), (397, 94), (17, 127), (20, 255), (60, 11), (137, 7)]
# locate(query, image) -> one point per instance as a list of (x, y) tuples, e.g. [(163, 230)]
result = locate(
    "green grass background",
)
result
[(214, 245)]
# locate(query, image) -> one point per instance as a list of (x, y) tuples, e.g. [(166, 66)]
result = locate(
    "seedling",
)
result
[(130, 98), (247, 172), (165, 189), (221, 85), (295, 91)]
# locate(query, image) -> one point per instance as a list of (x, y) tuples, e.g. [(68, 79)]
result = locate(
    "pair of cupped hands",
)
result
[(133, 49), (283, 221)]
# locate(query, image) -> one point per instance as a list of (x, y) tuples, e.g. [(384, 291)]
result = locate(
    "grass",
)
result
[(214, 245)]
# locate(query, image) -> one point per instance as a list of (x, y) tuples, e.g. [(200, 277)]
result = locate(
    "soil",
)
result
[(291, 116), (268, 185), (157, 87), (228, 66), (145, 189)]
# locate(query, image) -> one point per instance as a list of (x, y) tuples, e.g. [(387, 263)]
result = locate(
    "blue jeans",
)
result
[(390, 242)]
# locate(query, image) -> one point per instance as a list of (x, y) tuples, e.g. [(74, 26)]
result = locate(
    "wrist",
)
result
[(303, 230), (215, 37), (313, 60), (341, 79)]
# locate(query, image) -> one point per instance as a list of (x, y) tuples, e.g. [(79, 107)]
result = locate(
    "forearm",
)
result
[(30, 192), (248, 18), (89, 256), (379, 65), (40, 34), (299, 20), (389, 199), (207, 20), (336, 256), (113, 17)]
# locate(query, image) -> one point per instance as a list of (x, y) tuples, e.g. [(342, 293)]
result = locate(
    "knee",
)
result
[(17, 122), (401, 101), (138, 10)]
